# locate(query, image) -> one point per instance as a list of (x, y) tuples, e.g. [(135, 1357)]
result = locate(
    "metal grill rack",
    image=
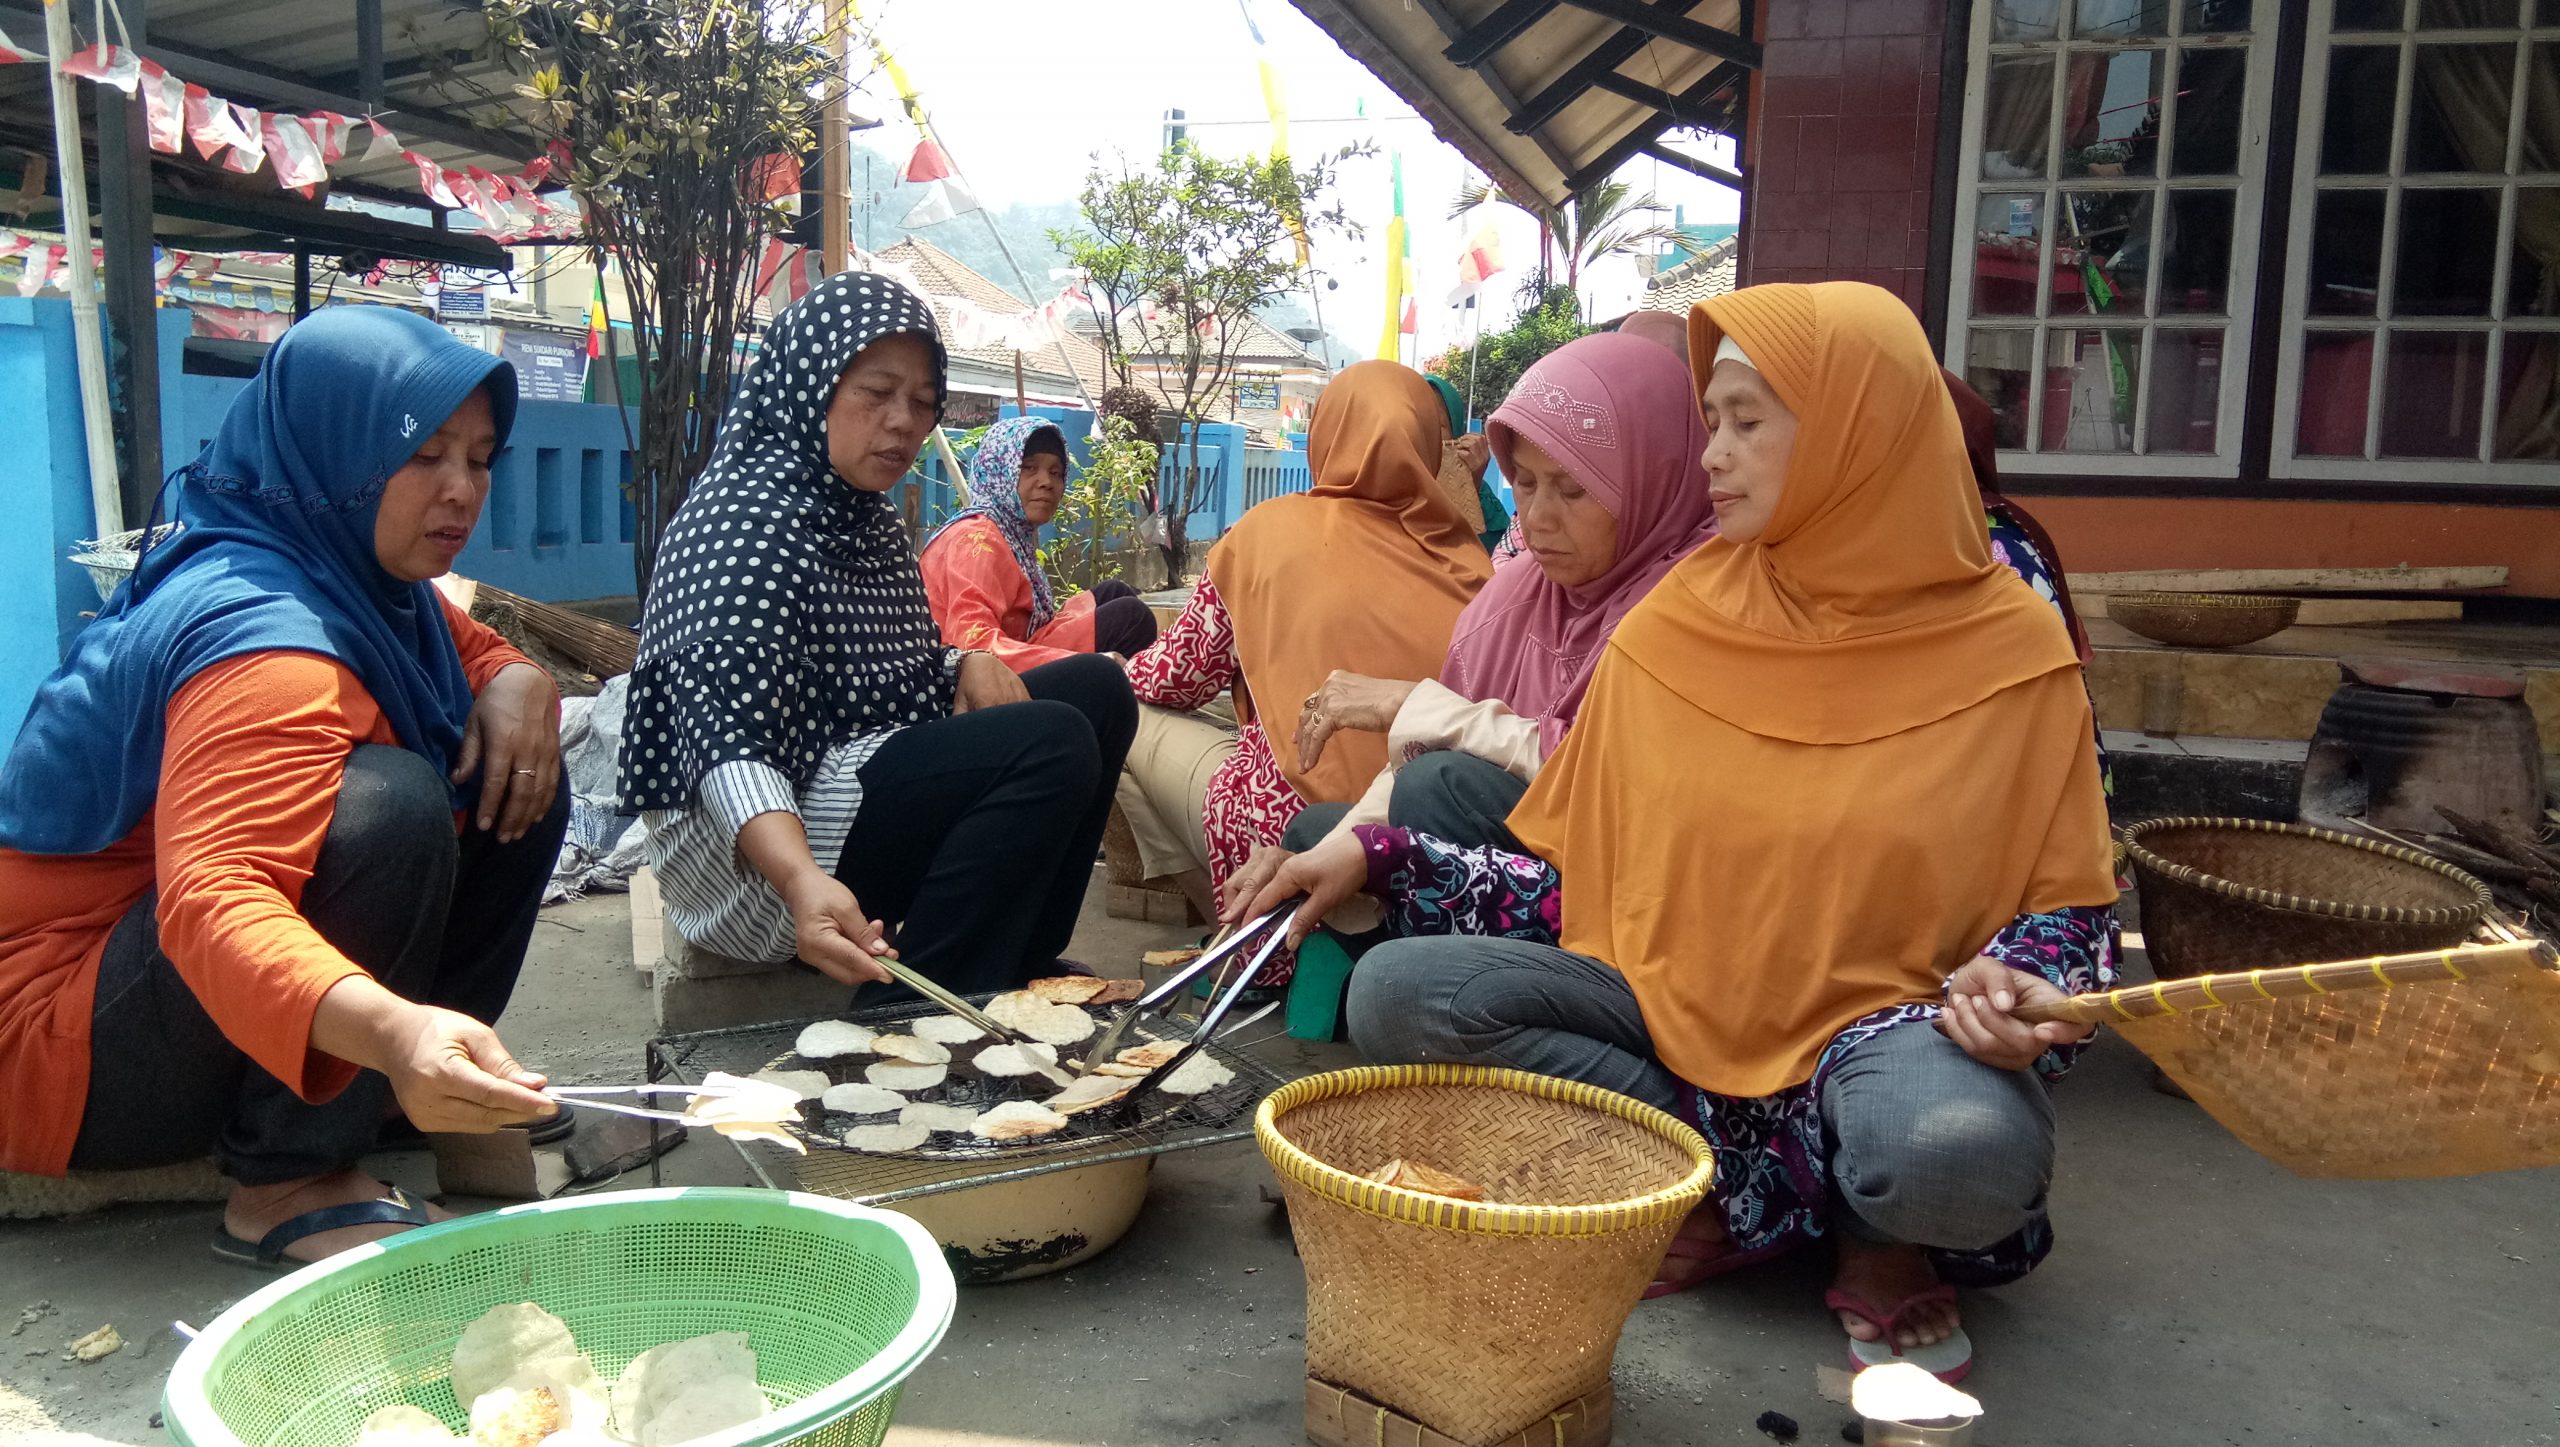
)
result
[(1162, 1123)]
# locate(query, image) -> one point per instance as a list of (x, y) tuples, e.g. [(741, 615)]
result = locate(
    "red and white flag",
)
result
[(928, 163), (164, 108), (12, 53), (1479, 261), (945, 199)]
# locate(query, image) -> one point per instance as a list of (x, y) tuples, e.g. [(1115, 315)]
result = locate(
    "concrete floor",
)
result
[(2199, 1295)]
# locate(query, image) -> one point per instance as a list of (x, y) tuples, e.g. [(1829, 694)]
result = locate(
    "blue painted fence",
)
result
[(556, 527)]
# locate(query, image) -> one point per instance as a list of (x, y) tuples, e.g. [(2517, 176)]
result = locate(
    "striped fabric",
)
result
[(714, 897)]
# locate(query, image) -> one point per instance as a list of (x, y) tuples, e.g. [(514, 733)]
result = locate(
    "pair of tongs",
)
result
[(1270, 931), (916, 981), (583, 1097)]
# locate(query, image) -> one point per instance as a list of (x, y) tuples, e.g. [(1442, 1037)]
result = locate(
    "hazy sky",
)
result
[(1024, 92)]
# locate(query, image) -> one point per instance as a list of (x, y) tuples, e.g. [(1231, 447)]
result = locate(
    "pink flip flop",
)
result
[(1949, 1361)]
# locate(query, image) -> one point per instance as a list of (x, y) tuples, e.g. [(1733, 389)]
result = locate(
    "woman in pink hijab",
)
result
[(1601, 444)]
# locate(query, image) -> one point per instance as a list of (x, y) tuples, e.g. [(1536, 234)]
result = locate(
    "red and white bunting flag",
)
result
[(295, 154), (107, 65), (769, 265), (1480, 260), (164, 108), (431, 179), (927, 163), (383, 146), (945, 199), (248, 129), (804, 273), (168, 266), (329, 131), (12, 53)]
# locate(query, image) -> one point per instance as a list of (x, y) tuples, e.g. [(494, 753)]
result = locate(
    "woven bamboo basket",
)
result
[(1475, 1321), (2422, 1064), (2203, 620), (2221, 895)]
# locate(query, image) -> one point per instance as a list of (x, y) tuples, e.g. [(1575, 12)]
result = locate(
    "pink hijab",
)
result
[(1615, 411)]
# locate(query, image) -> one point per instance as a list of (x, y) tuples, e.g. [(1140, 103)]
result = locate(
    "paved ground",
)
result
[(2199, 1295)]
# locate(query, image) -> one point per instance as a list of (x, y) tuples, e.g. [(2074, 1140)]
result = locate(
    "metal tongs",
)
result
[(915, 981), (582, 1096), (1270, 930)]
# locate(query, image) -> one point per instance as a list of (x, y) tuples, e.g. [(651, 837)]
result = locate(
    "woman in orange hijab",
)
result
[(1366, 571), (1830, 813)]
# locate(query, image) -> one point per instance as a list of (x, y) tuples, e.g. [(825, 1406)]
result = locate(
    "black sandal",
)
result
[(267, 1254)]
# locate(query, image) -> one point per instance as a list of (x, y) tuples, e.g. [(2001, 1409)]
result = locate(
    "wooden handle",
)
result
[(2206, 992)]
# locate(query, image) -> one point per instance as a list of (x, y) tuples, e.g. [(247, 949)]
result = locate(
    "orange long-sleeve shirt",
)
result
[(982, 599), (249, 776)]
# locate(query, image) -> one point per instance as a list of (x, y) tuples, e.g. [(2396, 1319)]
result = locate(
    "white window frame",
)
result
[(2539, 24), (2241, 298)]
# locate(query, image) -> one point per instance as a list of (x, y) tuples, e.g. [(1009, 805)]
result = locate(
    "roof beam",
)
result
[(1481, 40), (1685, 106), (1604, 59), (1679, 29), (1500, 89), (1637, 91), (1691, 164)]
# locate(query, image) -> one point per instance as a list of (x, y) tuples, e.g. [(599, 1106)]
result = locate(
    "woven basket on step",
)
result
[(1475, 1320), (2222, 895), (2203, 620)]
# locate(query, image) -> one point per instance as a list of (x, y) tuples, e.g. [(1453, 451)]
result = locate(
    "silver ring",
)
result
[(524, 771)]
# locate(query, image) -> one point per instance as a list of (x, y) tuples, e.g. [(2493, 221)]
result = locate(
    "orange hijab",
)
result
[(1818, 771), (1366, 571)]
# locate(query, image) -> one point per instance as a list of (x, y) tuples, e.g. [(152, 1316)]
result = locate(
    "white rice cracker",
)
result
[(856, 1097), (898, 1075), (1051, 1024), (1018, 1120), (1197, 1076), (807, 1084), (887, 1140), (947, 1030), (938, 1118), (830, 1038), (1088, 1093), (1005, 1061), (910, 1049)]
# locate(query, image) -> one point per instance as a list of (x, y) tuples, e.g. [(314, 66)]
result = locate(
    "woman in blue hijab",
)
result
[(273, 838)]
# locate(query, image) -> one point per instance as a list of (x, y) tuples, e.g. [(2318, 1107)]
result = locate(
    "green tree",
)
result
[(1603, 219), (1500, 357), (674, 112), (1179, 254), (1100, 508)]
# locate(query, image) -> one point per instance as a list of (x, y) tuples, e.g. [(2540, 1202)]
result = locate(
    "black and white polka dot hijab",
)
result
[(786, 615)]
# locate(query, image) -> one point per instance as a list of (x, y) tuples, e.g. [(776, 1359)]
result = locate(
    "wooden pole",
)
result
[(1021, 401), (106, 499), (834, 147)]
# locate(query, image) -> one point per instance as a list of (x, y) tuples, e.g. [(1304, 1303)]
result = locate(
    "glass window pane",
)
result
[(2000, 365), (2542, 108), (2005, 243), (2431, 394), (2017, 115), (2370, 14), (2533, 271), (2186, 390), (2458, 108), (2195, 252), (2026, 19), (2089, 383), (2111, 113), (2211, 86), (2355, 130), (2529, 398), (2346, 253), (2337, 373), (2466, 14), (2119, 19), (2448, 253), (2216, 17), (2102, 260)]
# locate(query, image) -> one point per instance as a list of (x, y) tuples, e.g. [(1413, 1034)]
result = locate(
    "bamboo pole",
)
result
[(835, 160), (106, 498), (2207, 992)]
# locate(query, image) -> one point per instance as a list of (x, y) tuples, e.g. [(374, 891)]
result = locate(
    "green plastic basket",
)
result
[(840, 1303)]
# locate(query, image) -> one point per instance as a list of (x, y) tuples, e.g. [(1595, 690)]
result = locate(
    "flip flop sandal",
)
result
[(267, 1254), (1949, 1361)]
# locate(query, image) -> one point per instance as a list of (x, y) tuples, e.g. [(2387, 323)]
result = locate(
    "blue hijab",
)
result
[(995, 493), (276, 553)]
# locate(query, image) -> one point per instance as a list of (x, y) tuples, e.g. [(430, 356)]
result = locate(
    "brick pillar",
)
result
[(1843, 143)]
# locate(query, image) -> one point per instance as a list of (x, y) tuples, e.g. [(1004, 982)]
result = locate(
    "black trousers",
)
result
[(1453, 797), (437, 918), (978, 833), (1122, 622)]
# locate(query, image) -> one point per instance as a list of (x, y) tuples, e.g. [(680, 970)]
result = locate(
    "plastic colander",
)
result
[(840, 1303)]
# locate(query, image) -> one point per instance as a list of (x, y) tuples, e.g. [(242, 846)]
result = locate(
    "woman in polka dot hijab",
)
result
[(796, 734)]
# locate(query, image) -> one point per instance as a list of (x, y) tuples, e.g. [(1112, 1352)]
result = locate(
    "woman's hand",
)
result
[(1980, 999), (832, 935), (1347, 701), (1245, 885), (449, 1071), (986, 683), (514, 734), (1477, 451), (1327, 875)]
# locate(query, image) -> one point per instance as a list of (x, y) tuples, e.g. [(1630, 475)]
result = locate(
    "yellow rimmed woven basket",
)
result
[(1476, 1321)]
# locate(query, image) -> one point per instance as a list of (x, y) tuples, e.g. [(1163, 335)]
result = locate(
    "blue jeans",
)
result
[(1927, 1145)]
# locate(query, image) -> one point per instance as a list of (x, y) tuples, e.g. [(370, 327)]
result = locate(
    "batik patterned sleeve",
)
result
[(1432, 887), (2073, 949), (1194, 661)]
